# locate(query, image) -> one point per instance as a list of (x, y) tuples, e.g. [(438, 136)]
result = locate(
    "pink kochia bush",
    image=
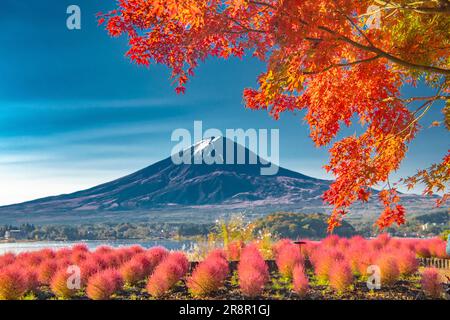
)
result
[(407, 263), (341, 276), (252, 271), (437, 248), (142, 264), (431, 283), (87, 269), (388, 268), (287, 257), (46, 271), (279, 245), (31, 278), (423, 250), (60, 285), (155, 256), (359, 258), (209, 275), (13, 284), (300, 281), (104, 270), (167, 274), (323, 261), (135, 270), (7, 259), (103, 284)]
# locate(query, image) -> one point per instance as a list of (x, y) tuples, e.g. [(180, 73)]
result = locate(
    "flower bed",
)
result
[(335, 268)]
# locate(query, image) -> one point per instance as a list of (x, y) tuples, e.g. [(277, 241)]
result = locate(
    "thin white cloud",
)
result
[(175, 101), (110, 131)]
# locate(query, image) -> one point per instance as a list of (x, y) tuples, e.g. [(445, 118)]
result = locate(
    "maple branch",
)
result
[(354, 25), (386, 55), (370, 47), (261, 3), (337, 65), (442, 8), (246, 29), (427, 105), (437, 97)]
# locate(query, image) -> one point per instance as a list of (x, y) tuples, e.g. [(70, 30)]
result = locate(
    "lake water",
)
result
[(18, 247)]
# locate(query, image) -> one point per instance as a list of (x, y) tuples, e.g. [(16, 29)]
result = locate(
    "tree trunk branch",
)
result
[(386, 55)]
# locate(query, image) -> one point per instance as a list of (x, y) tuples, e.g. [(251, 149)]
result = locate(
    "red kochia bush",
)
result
[(155, 255), (47, 253), (167, 274), (136, 249), (437, 248), (431, 283), (280, 244), (7, 259), (209, 275), (31, 278), (341, 276), (388, 268), (135, 270), (356, 254), (180, 258), (12, 283), (252, 271), (423, 250), (87, 269), (300, 281), (407, 263), (80, 247), (103, 249), (99, 260), (63, 253), (331, 241), (142, 264), (111, 260), (103, 284), (79, 256), (323, 260), (63, 263), (29, 259), (287, 257), (46, 271), (60, 286), (383, 239), (366, 259)]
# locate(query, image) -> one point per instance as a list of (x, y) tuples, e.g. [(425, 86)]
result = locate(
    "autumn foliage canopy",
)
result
[(313, 49)]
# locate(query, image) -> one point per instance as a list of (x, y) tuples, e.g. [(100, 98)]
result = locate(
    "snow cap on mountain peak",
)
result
[(203, 144)]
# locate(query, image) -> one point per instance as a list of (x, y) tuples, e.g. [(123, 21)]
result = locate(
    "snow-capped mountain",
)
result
[(167, 186), (167, 183)]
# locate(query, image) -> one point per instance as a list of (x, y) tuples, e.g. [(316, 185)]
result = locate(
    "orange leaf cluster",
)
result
[(320, 58)]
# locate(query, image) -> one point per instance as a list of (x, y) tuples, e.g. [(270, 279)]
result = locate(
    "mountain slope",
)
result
[(171, 192), (166, 184)]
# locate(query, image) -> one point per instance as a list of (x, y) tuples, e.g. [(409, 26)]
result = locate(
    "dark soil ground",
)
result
[(277, 289)]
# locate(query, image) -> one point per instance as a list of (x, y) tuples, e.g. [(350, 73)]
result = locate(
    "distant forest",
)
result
[(282, 224)]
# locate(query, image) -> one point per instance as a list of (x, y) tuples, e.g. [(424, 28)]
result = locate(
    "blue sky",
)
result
[(74, 112)]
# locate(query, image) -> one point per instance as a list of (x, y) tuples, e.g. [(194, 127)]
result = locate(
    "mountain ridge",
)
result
[(165, 183), (165, 186)]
